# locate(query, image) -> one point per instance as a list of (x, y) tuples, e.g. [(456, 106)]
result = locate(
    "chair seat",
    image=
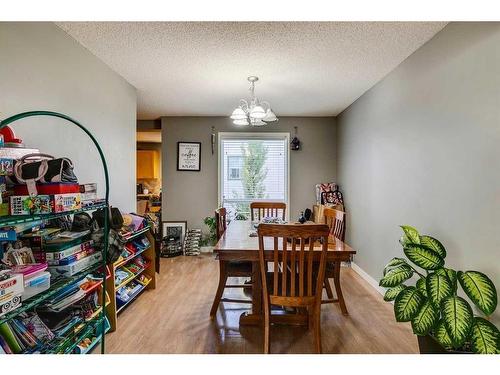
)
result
[(239, 268), (270, 286)]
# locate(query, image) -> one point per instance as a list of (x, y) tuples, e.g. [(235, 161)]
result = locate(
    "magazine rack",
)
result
[(100, 323)]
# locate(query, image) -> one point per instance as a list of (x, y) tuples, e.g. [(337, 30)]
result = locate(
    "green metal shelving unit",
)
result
[(36, 300)]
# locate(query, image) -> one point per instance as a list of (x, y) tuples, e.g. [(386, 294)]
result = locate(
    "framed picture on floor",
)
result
[(172, 238), (189, 156)]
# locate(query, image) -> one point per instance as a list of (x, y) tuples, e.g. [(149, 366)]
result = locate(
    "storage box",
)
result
[(49, 188), (88, 192), (34, 241), (29, 270), (72, 258), (26, 205), (78, 266), (67, 202), (36, 284), (44, 204), (11, 290), (69, 251), (6, 167)]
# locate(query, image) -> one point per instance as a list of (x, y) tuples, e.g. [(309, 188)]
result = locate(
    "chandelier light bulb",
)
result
[(258, 123), (258, 112), (238, 114), (242, 122), (270, 116)]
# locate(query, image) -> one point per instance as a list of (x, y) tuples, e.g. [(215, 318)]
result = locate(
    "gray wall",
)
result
[(422, 148), (192, 196), (42, 68)]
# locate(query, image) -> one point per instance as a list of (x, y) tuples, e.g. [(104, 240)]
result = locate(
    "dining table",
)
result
[(240, 243)]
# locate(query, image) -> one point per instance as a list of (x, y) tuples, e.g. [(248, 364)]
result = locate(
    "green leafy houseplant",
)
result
[(432, 305), (209, 239)]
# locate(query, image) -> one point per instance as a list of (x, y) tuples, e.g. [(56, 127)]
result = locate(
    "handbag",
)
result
[(115, 218), (82, 222), (116, 244), (42, 168)]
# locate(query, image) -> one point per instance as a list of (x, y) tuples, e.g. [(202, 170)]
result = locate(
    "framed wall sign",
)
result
[(189, 156)]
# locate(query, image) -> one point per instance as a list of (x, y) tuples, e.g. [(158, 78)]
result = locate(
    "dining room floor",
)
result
[(174, 318)]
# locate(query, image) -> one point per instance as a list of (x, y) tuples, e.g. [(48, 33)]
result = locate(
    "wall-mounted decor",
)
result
[(295, 143), (189, 156), (172, 238)]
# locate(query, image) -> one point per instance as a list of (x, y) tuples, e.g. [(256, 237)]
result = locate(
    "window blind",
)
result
[(252, 168)]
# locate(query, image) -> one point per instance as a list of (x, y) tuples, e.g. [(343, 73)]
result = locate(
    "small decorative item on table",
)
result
[(264, 220)]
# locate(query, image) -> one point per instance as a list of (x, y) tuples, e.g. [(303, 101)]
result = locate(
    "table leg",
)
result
[(256, 315), (256, 289), (338, 289)]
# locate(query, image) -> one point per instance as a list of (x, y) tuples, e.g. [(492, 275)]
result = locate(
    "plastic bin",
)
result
[(36, 284)]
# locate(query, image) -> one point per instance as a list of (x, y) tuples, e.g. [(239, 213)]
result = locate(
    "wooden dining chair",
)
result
[(260, 210), (228, 268), (297, 278), (220, 222), (335, 220)]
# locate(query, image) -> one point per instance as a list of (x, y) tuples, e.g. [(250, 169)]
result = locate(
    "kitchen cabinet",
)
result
[(148, 164)]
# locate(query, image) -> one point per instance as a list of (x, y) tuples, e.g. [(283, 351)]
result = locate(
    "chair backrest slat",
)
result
[(310, 269), (275, 265), (293, 266), (260, 210), (220, 222), (284, 271), (301, 269)]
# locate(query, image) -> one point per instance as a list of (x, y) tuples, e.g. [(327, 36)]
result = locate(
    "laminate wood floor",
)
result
[(174, 318)]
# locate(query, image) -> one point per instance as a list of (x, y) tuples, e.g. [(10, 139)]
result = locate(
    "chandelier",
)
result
[(255, 112)]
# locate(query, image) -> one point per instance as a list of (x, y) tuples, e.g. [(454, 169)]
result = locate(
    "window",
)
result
[(234, 167), (252, 167)]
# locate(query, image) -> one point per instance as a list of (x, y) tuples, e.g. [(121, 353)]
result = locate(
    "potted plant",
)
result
[(209, 240), (443, 321)]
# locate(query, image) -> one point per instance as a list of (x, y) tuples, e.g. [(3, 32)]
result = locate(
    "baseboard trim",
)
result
[(370, 280)]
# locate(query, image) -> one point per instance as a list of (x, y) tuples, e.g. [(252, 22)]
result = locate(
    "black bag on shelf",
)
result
[(115, 218), (115, 244), (82, 221)]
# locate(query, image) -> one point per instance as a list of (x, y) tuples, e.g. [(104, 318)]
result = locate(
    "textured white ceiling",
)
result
[(200, 68)]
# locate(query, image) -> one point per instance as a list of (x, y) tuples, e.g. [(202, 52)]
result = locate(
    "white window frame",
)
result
[(258, 136)]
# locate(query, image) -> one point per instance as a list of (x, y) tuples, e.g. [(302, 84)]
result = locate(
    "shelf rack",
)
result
[(133, 297), (14, 220), (54, 289), (149, 270)]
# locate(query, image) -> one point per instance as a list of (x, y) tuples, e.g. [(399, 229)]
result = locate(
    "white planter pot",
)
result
[(206, 249)]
